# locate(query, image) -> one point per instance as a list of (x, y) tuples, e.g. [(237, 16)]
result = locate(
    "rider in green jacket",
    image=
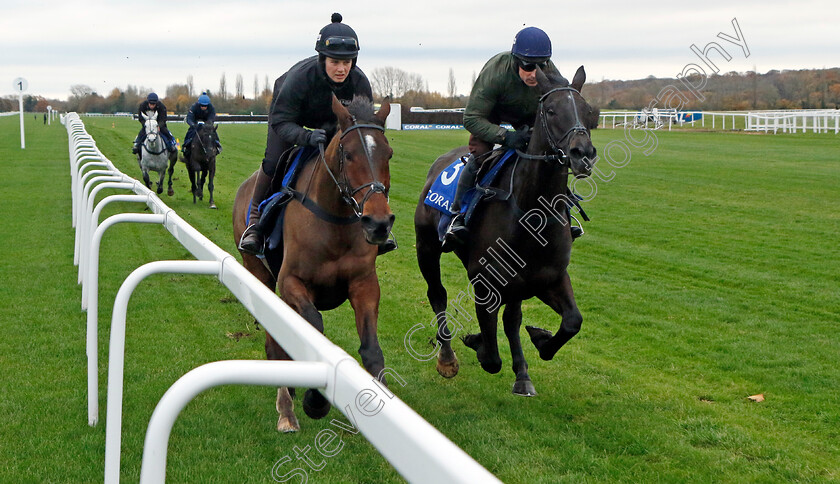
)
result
[(504, 92)]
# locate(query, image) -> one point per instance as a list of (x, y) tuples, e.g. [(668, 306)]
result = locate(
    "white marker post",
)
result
[(49, 115), (20, 85)]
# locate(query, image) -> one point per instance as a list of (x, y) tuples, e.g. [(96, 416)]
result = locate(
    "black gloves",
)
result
[(518, 139), (316, 137)]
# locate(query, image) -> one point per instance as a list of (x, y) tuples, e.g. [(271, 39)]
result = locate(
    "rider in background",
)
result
[(303, 98), (504, 92), (152, 103), (202, 111)]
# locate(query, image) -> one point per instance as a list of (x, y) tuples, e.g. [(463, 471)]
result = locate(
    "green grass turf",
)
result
[(709, 273)]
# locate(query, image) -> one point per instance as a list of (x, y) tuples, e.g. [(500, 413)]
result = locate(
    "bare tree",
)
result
[(266, 87), (390, 81), (256, 87), (80, 90), (472, 81), (240, 87), (223, 87), (190, 85), (451, 86)]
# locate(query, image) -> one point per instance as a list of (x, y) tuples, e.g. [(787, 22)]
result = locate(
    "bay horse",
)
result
[(331, 232), (153, 154), (202, 161), (516, 250)]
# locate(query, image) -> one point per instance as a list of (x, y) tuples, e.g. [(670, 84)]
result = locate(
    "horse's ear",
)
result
[(145, 116), (345, 120), (579, 79), (543, 82), (384, 109)]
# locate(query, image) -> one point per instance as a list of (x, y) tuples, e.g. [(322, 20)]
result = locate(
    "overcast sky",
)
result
[(151, 43)]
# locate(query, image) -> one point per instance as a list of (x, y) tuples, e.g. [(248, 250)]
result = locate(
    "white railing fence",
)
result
[(785, 121), (418, 451)]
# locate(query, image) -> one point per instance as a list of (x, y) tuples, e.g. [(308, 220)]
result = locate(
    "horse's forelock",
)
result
[(362, 109)]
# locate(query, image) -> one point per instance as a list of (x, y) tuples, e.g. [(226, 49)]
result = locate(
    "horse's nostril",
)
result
[(366, 220), (391, 218)]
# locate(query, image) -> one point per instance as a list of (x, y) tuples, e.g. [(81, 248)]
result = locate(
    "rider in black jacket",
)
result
[(303, 97), (152, 103), (200, 112)]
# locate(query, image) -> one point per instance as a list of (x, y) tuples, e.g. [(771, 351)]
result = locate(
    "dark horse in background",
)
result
[(518, 247), (331, 232), (202, 161)]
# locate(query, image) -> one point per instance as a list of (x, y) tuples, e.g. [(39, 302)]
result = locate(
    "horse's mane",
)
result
[(362, 109)]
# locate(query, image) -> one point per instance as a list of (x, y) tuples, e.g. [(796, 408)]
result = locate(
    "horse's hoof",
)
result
[(524, 388), (472, 341), (315, 406), (159, 190), (448, 369), (170, 192), (288, 424), (539, 337), (213, 206)]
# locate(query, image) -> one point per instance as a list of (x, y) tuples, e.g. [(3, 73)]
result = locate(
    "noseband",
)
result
[(558, 154), (347, 192)]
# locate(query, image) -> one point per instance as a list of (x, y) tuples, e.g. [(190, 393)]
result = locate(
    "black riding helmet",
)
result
[(337, 40)]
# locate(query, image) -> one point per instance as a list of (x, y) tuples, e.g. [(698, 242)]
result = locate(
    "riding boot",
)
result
[(456, 234), (136, 146), (253, 239)]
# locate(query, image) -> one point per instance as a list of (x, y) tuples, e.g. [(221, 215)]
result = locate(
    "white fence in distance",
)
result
[(418, 451), (785, 121)]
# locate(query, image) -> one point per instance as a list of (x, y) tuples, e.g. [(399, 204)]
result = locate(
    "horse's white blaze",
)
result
[(370, 145)]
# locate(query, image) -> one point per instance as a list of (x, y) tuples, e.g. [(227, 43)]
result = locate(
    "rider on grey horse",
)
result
[(152, 103), (200, 112)]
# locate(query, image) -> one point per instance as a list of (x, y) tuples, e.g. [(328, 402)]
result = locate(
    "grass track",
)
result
[(709, 273)]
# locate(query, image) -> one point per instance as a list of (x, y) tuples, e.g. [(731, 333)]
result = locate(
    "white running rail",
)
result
[(418, 451)]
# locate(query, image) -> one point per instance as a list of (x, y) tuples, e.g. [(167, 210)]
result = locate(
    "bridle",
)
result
[(557, 153), (347, 192), (152, 135), (201, 141)]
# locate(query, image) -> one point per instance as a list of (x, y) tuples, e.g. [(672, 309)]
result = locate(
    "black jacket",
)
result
[(196, 114), (160, 109), (303, 97)]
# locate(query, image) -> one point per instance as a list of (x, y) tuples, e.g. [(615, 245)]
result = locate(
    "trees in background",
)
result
[(803, 89)]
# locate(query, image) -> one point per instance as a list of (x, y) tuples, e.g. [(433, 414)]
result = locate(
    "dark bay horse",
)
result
[(331, 231), (202, 162), (520, 247)]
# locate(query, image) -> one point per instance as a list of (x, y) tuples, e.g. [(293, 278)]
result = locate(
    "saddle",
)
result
[(442, 191), (273, 208)]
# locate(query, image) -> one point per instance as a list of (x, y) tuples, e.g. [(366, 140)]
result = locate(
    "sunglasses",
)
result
[(529, 67)]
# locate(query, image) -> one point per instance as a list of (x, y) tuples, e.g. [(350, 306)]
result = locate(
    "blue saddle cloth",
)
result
[(302, 154), (442, 191)]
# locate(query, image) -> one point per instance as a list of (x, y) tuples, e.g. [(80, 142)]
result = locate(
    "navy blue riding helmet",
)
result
[(531, 46), (204, 99), (337, 40), (152, 97)]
